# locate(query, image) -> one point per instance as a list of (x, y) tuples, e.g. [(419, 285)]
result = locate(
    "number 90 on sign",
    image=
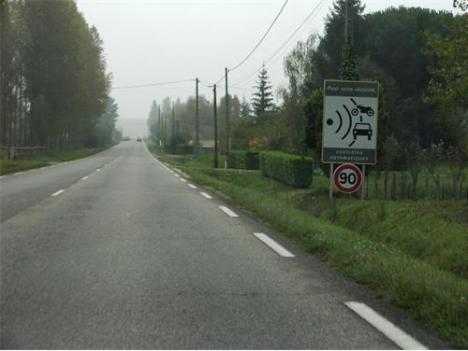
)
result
[(347, 178)]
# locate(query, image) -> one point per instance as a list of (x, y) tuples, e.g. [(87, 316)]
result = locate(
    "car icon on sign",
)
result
[(362, 129)]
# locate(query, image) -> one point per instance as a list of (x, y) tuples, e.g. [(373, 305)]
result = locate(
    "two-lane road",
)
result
[(133, 256)]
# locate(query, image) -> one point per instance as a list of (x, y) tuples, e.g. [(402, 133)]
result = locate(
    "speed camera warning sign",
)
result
[(350, 114), (347, 178)]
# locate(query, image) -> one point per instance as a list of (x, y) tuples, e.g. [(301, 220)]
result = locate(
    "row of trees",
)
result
[(54, 86)]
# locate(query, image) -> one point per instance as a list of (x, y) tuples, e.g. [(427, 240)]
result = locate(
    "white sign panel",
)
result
[(350, 114)]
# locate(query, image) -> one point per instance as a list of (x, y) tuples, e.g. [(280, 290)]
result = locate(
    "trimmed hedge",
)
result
[(290, 169), (243, 159)]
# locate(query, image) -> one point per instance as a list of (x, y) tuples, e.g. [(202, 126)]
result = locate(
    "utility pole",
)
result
[(197, 119), (215, 113), (159, 126), (228, 129), (173, 130), (348, 23)]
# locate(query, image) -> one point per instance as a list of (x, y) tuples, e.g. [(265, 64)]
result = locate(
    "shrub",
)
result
[(184, 149), (243, 159), (289, 169)]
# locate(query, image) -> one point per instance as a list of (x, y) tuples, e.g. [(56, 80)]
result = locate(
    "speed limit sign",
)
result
[(347, 178)]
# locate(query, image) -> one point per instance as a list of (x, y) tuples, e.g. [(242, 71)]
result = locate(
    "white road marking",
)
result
[(228, 211), (389, 329), (280, 250), (205, 195), (183, 180), (98, 170), (178, 176), (192, 186), (84, 178), (58, 192)]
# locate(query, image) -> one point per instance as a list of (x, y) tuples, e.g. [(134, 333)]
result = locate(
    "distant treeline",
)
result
[(54, 86)]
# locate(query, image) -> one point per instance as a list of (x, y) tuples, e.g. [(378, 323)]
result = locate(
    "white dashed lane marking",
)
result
[(84, 178), (192, 186), (228, 211), (280, 250), (390, 330), (205, 195), (58, 192)]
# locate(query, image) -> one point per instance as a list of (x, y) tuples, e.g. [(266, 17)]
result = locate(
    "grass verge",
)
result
[(46, 158), (413, 253)]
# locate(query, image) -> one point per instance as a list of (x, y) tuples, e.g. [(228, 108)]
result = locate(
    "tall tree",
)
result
[(262, 99)]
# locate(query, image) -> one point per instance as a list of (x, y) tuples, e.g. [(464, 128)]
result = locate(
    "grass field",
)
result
[(45, 158), (411, 252)]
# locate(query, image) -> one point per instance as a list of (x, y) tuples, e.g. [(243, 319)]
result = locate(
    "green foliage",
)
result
[(449, 83), (262, 100), (348, 69), (243, 159), (290, 169), (54, 84), (184, 149)]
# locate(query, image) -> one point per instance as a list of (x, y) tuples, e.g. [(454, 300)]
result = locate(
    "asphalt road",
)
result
[(133, 257)]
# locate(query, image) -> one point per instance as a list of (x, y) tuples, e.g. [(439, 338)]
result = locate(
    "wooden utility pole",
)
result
[(197, 119), (215, 113), (159, 126), (173, 130), (228, 129), (348, 23)]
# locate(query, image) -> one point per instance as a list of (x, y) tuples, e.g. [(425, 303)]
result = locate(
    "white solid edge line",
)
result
[(228, 211), (183, 180), (386, 327), (280, 250), (205, 195), (192, 186), (58, 192), (84, 178)]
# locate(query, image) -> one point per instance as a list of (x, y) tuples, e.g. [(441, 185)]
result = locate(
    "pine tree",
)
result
[(262, 100)]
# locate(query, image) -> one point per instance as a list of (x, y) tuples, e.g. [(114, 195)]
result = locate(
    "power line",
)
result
[(262, 38), (153, 84), (311, 13)]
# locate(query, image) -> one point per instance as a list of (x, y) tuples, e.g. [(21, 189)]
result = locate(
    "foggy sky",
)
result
[(152, 41)]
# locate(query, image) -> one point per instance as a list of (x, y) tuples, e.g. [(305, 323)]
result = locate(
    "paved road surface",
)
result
[(132, 257)]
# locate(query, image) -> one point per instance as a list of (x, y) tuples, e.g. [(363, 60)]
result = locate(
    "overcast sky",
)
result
[(150, 41)]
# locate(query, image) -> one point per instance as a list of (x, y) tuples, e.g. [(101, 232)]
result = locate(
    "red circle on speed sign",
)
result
[(347, 178)]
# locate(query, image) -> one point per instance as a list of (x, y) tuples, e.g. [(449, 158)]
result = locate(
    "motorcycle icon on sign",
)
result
[(361, 109)]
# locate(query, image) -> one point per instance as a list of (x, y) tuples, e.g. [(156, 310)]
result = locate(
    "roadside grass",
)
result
[(411, 252), (45, 158)]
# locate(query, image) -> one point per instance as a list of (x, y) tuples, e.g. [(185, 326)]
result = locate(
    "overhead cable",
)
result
[(311, 13), (261, 39), (153, 84)]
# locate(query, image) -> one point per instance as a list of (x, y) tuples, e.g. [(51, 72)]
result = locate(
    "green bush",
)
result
[(243, 159), (289, 169), (184, 149)]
